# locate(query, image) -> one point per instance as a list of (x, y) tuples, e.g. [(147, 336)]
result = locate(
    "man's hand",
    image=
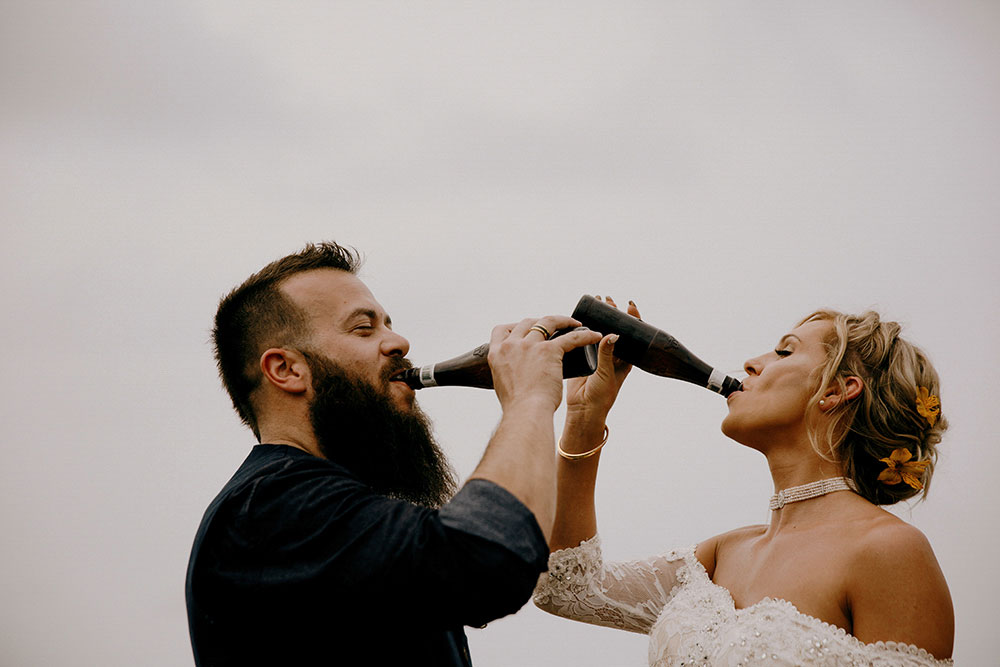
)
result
[(527, 364)]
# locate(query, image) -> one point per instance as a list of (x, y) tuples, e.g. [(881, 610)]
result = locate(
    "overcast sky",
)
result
[(729, 166)]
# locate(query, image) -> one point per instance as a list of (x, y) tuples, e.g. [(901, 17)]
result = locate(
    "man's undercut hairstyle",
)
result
[(257, 315)]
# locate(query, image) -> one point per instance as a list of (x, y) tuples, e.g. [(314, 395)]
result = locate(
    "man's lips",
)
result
[(396, 370), (404, 385), (396, 376)]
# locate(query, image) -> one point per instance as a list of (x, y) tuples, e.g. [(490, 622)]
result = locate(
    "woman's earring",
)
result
[(822, 402)]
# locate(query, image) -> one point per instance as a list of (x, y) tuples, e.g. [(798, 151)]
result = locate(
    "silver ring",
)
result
[(542, 330)]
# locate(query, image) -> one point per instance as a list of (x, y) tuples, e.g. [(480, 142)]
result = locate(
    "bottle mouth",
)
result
[(736, 384), (409, 376), (730, 385)]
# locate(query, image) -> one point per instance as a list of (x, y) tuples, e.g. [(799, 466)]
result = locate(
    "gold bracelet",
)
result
[(576, 457)]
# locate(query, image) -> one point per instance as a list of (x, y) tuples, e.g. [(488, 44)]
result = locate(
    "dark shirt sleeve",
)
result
[(489, 511), (296, 536)]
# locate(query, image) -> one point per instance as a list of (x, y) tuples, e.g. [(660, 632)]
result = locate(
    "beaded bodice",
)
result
[(692, 621)]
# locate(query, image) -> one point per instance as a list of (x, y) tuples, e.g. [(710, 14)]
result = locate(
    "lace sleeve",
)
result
[(625, 595)]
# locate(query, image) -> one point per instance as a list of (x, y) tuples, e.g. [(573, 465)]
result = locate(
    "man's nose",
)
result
[(394, 345)]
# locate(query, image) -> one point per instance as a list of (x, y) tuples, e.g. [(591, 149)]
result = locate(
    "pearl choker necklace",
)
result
[(811, 490)]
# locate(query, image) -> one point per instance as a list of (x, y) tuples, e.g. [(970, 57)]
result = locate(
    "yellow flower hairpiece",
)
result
[(902, 470), (928, 405)]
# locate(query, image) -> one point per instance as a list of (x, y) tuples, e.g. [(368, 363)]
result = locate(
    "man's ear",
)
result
[(853, 387), (286, 370)]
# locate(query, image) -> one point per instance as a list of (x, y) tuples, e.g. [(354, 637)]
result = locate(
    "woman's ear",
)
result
[(286, 370), (853, 386)]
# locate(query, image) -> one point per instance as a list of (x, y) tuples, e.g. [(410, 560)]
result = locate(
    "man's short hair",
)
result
[(257, 315)]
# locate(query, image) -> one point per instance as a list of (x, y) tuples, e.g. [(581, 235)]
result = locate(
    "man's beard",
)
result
[(358, 426)]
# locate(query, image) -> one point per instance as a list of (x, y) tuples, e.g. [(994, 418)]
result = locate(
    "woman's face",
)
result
[(772, 405)]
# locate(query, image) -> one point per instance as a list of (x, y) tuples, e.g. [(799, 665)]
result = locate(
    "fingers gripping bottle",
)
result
[(651, 349), (472, 369)]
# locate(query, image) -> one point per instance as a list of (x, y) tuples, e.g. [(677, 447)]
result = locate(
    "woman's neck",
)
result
[(792, 467), (793, 461)]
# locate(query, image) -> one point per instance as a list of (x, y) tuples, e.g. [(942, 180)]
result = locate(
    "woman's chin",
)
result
[(731, 428)]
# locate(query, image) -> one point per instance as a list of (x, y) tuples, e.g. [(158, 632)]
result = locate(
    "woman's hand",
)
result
[(589, 399)]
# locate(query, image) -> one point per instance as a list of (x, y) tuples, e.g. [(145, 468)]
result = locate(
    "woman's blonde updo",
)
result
[(884, 417)]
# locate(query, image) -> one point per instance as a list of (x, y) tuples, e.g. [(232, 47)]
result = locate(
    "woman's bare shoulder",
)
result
[(708, 550), (896, 589), (883, 540)]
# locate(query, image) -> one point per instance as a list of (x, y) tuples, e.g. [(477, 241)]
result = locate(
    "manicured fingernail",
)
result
[(613, 339)]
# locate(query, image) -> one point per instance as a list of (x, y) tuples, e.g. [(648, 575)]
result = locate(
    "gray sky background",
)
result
[(730, 166)]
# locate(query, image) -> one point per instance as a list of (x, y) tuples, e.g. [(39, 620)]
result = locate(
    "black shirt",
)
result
[(297, 562)]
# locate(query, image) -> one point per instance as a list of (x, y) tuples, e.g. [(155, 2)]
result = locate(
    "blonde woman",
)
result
[(847, 415)]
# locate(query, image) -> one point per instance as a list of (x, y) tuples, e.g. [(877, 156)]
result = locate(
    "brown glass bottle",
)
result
[(651, 349), (472, 369)]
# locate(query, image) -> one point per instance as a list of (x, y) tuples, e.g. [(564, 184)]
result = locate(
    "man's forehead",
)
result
[(327, 290)]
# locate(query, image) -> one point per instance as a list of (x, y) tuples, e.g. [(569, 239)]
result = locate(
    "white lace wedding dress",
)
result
[(692, 621)]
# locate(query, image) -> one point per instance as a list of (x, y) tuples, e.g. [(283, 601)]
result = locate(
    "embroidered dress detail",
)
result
[(692, 621), (811, 490)]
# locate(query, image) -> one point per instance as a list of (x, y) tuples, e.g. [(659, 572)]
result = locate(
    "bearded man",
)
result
[(342, 540)]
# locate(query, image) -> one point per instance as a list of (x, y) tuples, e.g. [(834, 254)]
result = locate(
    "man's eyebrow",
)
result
[(369, 313)]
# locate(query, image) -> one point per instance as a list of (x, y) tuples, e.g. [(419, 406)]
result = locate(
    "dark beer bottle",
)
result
[(651, 349), (472, 370)]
